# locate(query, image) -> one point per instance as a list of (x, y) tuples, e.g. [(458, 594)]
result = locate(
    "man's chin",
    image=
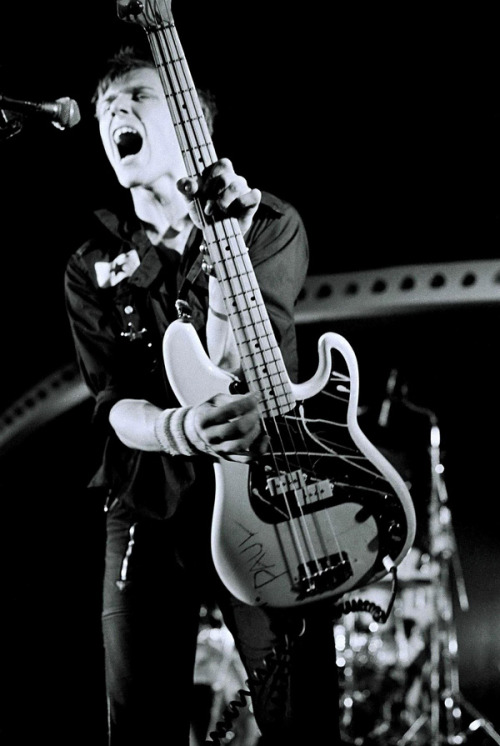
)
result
[(129, 173), (129, 180)]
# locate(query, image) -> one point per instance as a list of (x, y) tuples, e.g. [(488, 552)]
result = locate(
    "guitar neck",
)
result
[(260, 356), (183, 101)]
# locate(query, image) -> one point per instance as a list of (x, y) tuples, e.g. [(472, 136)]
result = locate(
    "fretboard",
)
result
[(261, 359)]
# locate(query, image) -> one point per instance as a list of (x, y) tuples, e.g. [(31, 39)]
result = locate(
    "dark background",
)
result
[(382, 129)]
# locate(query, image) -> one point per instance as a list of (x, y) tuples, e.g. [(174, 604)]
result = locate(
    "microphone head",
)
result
[(68, 113)]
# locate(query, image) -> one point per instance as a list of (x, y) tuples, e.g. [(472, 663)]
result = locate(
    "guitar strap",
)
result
[(189, 273)]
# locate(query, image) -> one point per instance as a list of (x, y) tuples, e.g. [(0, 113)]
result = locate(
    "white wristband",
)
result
[(176, 433), (169, 432)]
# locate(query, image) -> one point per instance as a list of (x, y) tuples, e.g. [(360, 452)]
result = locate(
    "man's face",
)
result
[(137, 131)]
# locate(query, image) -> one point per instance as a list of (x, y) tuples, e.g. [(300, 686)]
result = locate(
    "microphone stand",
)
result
[(446, 705), (9, 127)]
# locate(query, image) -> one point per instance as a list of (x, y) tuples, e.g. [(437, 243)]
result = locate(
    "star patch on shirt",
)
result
[(111, 273)]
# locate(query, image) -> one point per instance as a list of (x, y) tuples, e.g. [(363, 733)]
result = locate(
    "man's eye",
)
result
[(103, 107)]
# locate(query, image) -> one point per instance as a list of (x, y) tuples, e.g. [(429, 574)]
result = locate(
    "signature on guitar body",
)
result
[(323, 513)]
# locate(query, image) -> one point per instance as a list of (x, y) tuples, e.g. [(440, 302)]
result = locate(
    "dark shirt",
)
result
[(121, 293)]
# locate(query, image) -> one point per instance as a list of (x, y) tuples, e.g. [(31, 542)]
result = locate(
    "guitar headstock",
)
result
[(150, 14)]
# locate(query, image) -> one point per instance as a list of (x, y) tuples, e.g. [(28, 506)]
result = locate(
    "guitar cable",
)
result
[(279, 657), (359, 604), (277, 660), (229, 715)]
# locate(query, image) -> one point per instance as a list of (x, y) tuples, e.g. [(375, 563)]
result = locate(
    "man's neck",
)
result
[(162, 210)]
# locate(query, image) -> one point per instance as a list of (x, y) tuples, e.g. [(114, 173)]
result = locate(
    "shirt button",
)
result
[(128, 310)]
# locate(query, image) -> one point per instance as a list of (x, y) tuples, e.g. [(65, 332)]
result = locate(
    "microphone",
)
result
[(63, 112), (386, 404)]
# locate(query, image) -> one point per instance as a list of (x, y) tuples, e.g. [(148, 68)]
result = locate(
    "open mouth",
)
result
[(127, 140)]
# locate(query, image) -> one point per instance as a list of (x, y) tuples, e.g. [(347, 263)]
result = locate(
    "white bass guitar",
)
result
[(324, 512)]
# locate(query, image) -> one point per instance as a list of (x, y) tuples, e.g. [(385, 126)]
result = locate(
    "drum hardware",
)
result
[(400, 681)]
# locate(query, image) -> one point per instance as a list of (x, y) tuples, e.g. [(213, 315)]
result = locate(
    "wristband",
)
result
[(176, 433), (169, 432)]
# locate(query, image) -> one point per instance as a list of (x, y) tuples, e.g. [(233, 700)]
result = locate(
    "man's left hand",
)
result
[(220, 193)]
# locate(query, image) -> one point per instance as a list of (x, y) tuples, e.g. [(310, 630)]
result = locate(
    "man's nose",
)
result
[(120, 104)]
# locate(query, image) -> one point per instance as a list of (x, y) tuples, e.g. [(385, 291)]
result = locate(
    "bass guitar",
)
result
[(324, 512)]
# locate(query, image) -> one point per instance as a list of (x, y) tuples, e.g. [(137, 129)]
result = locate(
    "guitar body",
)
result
[(304, 524)]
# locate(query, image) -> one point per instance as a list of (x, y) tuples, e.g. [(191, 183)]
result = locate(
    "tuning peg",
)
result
[(208, 269)]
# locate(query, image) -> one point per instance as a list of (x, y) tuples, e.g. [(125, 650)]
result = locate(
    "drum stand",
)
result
[(443, 706), (400, 686)]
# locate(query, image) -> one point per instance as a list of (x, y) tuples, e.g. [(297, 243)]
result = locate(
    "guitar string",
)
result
[(185, 85), (295, 481), (313, 515), (328, 446), (187, 130), (205, 221), (241, 292), (170, 82)]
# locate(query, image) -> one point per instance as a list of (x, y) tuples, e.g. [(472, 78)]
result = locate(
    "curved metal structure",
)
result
[(397, 290)]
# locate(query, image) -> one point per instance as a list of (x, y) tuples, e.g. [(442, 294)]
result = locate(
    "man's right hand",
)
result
[(229, 425)]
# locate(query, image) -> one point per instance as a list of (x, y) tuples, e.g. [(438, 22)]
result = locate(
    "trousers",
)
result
[(152, 595)]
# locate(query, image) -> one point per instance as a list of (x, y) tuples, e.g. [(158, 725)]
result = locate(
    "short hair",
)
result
[(131, 58)]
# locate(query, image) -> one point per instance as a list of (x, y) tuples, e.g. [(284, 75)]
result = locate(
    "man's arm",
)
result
[(225, 424)]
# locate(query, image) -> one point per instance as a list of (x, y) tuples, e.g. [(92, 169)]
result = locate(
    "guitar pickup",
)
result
[(293, 486), (323, 574)]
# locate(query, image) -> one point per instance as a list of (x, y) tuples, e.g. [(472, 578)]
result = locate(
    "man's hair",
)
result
[(128, 59)]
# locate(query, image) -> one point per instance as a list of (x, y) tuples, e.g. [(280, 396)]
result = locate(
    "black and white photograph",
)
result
[(249, 384)]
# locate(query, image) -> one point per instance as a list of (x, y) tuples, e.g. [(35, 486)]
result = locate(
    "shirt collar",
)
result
[(131, 234)]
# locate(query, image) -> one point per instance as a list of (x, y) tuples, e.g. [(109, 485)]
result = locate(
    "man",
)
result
[(157, 467)]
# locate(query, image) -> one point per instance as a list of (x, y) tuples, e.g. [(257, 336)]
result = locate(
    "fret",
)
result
[(192, 119), (187, 116), (279, 405), (273, 399), (269, 361), (251, 358), (228, 230), (253, 319), (247, 353), (259, 330), (261, 358), (256, 343), (258, 326), (240, 272), (271, 368), (235, 265), (193, 159), (175, 60), (195, 120), (194, 126), (237, 272), (273, 403), (272, 382), (242, 285), (239, 302), (255, 361)]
